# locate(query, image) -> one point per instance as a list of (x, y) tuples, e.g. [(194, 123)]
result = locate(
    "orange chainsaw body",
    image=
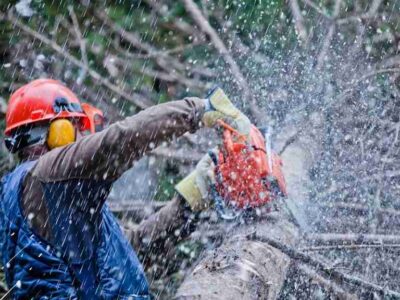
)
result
[(244, 177)]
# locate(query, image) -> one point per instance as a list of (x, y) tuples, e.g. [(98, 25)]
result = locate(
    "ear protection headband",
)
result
[(61, 132)]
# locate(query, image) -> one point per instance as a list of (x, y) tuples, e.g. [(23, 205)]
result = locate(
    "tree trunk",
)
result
[(247, 269), (240, 268)]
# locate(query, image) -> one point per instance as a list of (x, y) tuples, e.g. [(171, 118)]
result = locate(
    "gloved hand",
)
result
[(220, 107), (196, 186)]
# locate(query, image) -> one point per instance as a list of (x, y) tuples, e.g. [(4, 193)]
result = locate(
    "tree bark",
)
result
[(241, 268)]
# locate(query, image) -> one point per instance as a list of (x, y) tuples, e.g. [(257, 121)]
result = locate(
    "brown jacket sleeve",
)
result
[(154, 238), (107, 154)]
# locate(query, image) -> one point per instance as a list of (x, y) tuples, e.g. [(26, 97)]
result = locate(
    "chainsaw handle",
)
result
[(226, 126), (228, 134), (228, 143)]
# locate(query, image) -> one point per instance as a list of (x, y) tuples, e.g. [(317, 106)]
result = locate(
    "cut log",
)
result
[(241, 268), (244, 269)]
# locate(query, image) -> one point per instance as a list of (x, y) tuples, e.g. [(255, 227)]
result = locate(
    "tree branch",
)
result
[(328, 284), (349, 247), (298, 21), (374, 7), (170, 154), (205, 26), (359, 208), (317, 9), (339, 277), (352, 85), (162, 59), (329, 36), (351, 238), (82, 45), (134, 98), (134, 210), (178, 24)]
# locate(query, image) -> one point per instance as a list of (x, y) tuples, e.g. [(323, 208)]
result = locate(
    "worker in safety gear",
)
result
[(58, 238)]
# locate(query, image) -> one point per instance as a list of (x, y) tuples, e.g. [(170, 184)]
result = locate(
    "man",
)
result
[(59, 240)]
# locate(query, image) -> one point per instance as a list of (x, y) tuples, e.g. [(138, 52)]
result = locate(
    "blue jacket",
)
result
[(89, 258)]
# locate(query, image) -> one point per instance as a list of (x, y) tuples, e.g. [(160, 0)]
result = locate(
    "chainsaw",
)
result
[(248, 174)]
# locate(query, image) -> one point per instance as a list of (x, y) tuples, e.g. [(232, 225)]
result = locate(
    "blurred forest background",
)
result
[(325, 72)]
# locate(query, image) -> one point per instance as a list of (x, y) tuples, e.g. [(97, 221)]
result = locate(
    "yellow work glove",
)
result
[(219, 107), (195, 187)]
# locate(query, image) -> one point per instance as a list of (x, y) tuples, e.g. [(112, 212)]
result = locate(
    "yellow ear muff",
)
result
[(61, 133)]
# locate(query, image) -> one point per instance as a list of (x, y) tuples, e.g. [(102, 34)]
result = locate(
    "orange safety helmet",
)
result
[(40, 111), (41, 100)]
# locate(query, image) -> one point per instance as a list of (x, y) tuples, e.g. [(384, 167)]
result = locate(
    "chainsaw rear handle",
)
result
[(228, 134)]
